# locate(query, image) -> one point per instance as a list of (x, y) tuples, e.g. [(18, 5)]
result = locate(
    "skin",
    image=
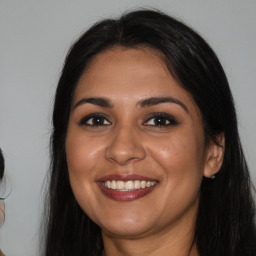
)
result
[(1, 212), (129, 141)]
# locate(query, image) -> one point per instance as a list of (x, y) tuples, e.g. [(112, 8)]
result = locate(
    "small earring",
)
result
[(212, 176)]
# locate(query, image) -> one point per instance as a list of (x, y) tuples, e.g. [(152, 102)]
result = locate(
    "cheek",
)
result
[(181, 157), (178, 152), (82, 154), (82, 159), (183, 172)]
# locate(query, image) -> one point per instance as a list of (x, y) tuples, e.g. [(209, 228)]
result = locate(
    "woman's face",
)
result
[(135, 145)]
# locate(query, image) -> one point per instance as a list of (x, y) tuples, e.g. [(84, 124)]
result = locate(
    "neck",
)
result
[(139, 247)]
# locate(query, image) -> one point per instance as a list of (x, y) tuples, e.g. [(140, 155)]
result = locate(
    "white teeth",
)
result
[(128, 185), (120, 184), (136, 184), (148, 184), (113, 184), (108, 184)]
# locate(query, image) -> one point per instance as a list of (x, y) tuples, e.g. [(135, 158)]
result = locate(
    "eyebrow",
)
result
[(106, 103), (159, 100), (102, 102)]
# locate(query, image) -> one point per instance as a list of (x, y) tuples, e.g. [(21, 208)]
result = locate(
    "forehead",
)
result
[(129, 75), (132, 64)]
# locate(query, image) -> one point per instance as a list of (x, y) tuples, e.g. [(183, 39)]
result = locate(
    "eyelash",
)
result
[(93, 118), (160, 117), (99, 119)]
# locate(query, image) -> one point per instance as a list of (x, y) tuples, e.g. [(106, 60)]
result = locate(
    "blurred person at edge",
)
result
[(146, 155), (1, 199)]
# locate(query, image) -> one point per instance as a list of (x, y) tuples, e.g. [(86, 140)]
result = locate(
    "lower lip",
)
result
[(125, 195)]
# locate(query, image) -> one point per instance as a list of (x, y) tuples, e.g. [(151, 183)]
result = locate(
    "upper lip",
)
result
[(124, 177)]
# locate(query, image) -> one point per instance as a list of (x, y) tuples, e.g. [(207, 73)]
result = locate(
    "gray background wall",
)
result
[(34, 38)]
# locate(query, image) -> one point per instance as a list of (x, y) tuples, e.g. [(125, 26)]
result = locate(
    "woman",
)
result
[(1, 202), (146, 156)]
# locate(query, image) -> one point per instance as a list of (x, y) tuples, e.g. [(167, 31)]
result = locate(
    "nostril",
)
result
[(123, 157), (125, 151)]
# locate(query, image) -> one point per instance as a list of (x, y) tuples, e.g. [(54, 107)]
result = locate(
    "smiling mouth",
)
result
[(126, 188), (129, 185)]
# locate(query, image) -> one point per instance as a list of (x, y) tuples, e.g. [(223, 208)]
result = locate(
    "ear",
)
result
[(214, 156)]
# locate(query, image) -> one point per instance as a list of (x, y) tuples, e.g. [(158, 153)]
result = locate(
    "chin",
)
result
[(126, 227), (124, 232)]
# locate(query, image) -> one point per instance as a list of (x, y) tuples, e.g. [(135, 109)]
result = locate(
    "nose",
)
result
[(125, 146)]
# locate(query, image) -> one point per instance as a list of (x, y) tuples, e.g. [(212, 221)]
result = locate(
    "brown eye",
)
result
[(160, 120), (95, 120)]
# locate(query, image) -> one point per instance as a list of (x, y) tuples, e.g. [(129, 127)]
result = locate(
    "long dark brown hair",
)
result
[(224, 224), (1, 165)]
